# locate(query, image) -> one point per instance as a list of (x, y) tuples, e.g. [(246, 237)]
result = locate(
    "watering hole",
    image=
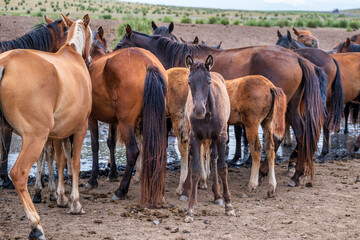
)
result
[(340, 144)]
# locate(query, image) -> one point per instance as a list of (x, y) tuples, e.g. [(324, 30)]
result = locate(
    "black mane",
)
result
[(164, 30), (40, 38)]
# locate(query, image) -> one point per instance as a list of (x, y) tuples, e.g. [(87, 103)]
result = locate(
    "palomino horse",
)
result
[(332, 91), (207, 111), (286, 69), (48, 38), (129, 89), (306, 38), (164, 31), (244, 94), (54, 102)]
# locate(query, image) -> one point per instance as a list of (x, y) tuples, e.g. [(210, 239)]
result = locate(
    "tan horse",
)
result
[(129, 89), (254, 100), (306, 38), (48, 96)]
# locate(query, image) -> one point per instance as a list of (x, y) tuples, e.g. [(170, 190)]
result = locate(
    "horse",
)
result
[(207, 111), (196, 41), (347, 46), (270, 110), (47, 38), (54, 102), (305, 37), (355, 38), (332, 93), (286, 69), (129, 89), (164, 31)]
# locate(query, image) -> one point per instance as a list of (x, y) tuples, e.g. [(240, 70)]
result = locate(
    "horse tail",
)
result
[(323, 81), (2, 119), (279, 109), (154, 139), (337, 100), (313, 117)]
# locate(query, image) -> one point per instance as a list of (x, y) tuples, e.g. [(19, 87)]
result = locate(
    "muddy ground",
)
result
[(327, 210)]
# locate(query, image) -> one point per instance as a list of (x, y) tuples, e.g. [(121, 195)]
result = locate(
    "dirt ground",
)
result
[(327, 210)]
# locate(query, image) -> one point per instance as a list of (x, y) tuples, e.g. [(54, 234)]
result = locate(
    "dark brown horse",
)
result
[(355, 38), (196, 41), (164, 31), (332, 91), (129, 89), (48, 38), (347, 46), (286, 69)]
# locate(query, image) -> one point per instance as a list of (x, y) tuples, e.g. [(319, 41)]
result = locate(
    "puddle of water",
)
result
[(340, 143)]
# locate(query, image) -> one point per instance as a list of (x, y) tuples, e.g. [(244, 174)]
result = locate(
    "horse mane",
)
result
[(39, 38), (354, 47), (78, 40)]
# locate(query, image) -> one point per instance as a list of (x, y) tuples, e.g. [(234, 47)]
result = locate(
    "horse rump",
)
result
[(154, 139)]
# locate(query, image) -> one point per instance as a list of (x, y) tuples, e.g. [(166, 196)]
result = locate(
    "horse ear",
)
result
[(279, 34), (171, 27), (86, 20), (68, 22), (196, 40), (209, 62), (128, 30), (219, 45), (189, 61), (48, 20), (289, 35), (153, 25), (347, 43), (182, 40), (101, 32), (295, 32)]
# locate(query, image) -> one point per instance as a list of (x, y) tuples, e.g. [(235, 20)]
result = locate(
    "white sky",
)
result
[(309, 5)]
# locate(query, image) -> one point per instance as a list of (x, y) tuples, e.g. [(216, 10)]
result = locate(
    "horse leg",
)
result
[(215, 187), (187, 184), (270, 154), (326, 139), (50, 156), (183, 146), (94, 131), (79, 136), (222, 167), (195, 151), (40, 166), (356, 145), (132, 153), (62, 200), (255, 150), (346, 113), (287, 136), (204, 158), (67, 150), (139, 160), (264, 168), (32, 146), (6, 141), (238, 133), (111, 142)]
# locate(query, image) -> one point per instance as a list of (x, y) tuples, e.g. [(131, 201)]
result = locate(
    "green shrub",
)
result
[(212, 20), (167, 19), (105, 16), (199, 21), (343, 23), (354, 25), (138, 24), (236, 22), (185, 20), (299, 23), (224, 21), (283, 23)]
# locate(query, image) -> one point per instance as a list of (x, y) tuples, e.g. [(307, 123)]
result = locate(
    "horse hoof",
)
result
[(230, 213), (8, 184), (203, 186), (233, 162), (53, 197), (62, 201), (271, 194), (76, 208), (91, 184), (37, 198), (179, 190), (188, 219), (36, 234), (219, 202), (183, 198), (112, 177), (114, 197), (320, 160), (246, 195), (291, 183)]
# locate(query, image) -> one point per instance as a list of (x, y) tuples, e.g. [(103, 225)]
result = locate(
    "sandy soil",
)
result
[(328, 210)]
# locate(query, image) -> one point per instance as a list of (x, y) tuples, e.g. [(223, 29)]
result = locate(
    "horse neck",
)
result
[(354, 48)]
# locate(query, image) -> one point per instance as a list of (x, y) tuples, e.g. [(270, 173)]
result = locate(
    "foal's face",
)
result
[(308, 40), (200, 84)]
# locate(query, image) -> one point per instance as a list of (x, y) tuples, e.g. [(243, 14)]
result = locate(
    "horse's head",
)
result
[(199, 83), (99, 45), (355, 38), (343, 47), (59, 32), (285, 41), (128, 40), (79, 36), (195, 41), (164, 31), (306, 38)]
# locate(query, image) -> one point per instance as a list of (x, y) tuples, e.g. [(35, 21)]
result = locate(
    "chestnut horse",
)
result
[(207, 110), (48, 38), (286, 69), (332, 91), (270, 110), (306, 38), (129, 89), (54, 102)]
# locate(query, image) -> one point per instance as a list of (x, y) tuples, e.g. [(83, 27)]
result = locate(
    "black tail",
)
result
[(154, 139), (313, 118), (323, 87), (337, 101)]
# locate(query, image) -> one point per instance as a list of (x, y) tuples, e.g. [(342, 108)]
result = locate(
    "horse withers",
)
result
[(207, 111), (54, 102)]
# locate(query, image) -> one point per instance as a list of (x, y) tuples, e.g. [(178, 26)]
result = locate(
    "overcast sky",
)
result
[(312, 5)]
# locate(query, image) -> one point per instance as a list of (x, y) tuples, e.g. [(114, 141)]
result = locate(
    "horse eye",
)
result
[(189, 83), (209, 83)]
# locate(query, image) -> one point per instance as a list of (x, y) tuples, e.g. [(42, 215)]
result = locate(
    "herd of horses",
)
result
[(59, 80)]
